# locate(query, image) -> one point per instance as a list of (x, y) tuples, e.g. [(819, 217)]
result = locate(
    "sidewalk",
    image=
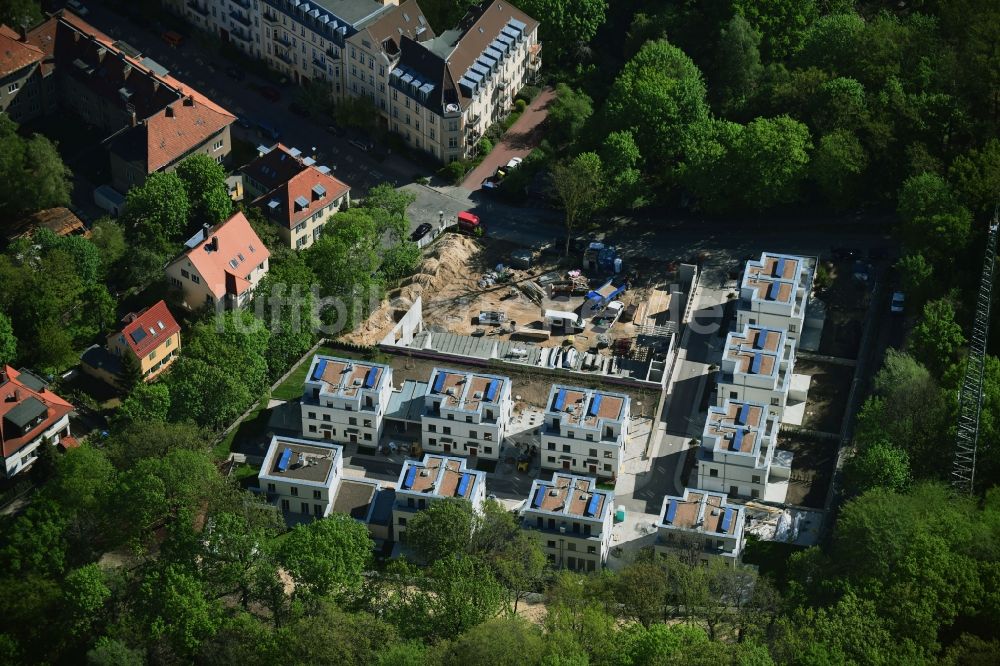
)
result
[(519, 140)]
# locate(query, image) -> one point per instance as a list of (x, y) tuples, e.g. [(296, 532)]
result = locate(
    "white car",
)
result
[(514, 163), (898, 299), (78, 7)]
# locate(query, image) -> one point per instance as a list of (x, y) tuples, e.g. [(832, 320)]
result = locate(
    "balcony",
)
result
[(319, 63), (282, 39), (240, 18), (284, 57), (197, 8), (270, 16), (241, 35), (245, 4)]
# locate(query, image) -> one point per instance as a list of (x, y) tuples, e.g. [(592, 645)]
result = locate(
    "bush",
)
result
[(485, 146), (528, 93), (453, 172), (519, 105)]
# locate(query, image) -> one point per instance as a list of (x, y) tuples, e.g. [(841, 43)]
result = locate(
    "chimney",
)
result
[(169, 111), (133, 121), (3, 376), (215, 243), (23, 30), (189, 101), (17, 395)]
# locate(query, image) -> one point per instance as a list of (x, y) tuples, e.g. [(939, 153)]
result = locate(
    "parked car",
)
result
[(235, 72), (269, 93), (514, 163), (862, 271), (490, 183), (420, 232), (898, 300), (298, 110), (78, 7), (845, 253), (362, 143), (172, 38)]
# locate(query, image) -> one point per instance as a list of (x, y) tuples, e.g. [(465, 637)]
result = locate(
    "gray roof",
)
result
[(452, 343), (31, 380), (381, 513), (28, 411), (407, 404), (354, 498), (100, 358), (351, 11)]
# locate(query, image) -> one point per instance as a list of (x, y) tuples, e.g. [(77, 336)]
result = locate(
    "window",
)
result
[(12, 87), (447, 430), (152, 355), (755, 494), (410, 502), (713, 472), (756, 478), (552, 446), (312, 415), (593, 453), (326, 417), (431, 427), (792, 328), (305, 507), (294, 491), (489, 450), (551, 544), (318, 510), (195, 279), (733, 395), (431, 134), (368, 436), (217, 145), (175, 282), (312, 428), (451, 417), (185, 274), (571, 547), (591, 550), (317, 494), (566, 448), (402, 521), (774, 402), (270, 488), (352, 421), (607, 454), (552, 459), (472, 434), (607, 467), (468, 419)]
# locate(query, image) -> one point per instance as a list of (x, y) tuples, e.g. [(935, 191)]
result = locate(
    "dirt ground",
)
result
[(812, 468), (846, 303), (828, 392)]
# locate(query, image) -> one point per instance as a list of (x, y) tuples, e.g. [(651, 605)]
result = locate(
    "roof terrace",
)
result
[(346, 377), (570, 495), (756, 350), (439, 476), (773, 278), (703, 512), (466, 391), (586, 407), (298, 460), (736, 427)]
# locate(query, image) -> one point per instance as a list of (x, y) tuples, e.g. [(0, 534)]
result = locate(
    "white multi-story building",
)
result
[(572, 519), (774, 293), (585, 431), (30, 415), (301, 476), (345, 400), (433, 478), (739, 454), (701, 525), (466, 413), (757, 365)]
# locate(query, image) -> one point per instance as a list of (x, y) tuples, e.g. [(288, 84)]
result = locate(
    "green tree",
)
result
[(17, 13), (84, 593), (621, 160), (578, 184), (8, 343), (113, 652), (326, 556), (157, 212), (657, 95), (34, 543), (441, 530), (975, 176), (568, 114), (400, 261), (916, 275), (204, 182), (109, 239), (738, 68), (641, 588), (832, 43), (838, 166), (567, 24), (840, 104), (130, 374), (132, 441), (782, 23), (937, 338), (934, 223), (147, 403), (319, 638), (174, 608), (235, 547), (878, 465), (510, 641), (773, 153), (388, 206), (32, 174), (207, 394)]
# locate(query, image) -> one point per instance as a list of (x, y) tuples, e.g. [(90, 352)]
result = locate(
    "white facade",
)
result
[(701, 524), (435, 477), (739, 455), (774, 293), (301, 476), (24, 456), (757, 365), (466, 413), (572, 520), (345, 400), (585, 431)]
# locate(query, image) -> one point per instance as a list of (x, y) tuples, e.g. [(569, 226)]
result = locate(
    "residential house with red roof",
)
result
[(152, 336), (20, 75), (29, 414), (155, 119), (294, 193), (220, 266)]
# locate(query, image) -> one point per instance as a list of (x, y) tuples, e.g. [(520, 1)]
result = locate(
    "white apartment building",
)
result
[(345, 400), (438, 92), (739, 454), (30, 415), (702, 525), (466, 413), (301, 476), (774, 293), (572, 520), (433, 478), (757, 367), (585, 431)]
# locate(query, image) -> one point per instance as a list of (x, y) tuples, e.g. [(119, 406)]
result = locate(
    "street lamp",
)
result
[(440, 218)]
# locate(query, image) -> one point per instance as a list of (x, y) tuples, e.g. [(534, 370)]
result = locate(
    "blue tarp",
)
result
[(410, 476), (286, 456), (439, 382), (779, 268), (727, 520), (737, 442), (772, 291), (743, 415), (463, 485), (491, 391), (370, 378), (671, 511), (320, 369), (755, 366), (560, 400), (761, 339), (539, 496), (595, 405), (595, 499)]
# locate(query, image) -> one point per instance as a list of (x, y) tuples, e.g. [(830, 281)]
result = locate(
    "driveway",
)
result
[(519, 140)]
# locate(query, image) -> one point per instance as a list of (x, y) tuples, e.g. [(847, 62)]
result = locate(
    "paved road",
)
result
[(518, 141), (204, 70)]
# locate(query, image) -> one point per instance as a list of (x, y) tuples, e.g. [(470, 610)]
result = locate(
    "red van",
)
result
[(468, 223)]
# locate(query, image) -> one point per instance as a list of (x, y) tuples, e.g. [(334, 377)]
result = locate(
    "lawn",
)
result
[(291, 388), (254, 425)]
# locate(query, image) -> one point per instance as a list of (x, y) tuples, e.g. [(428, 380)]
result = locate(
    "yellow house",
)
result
[(152, 336)]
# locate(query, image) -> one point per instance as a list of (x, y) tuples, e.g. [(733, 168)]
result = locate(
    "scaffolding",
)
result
[(970, 399)]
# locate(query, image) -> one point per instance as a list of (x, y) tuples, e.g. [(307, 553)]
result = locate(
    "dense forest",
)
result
[(136, 550)]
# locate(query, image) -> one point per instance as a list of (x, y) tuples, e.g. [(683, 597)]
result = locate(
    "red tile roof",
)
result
[(14, 392), (44, 37), (15, 55), (179, 128), (149, 330), (318, 190), (236, 238)]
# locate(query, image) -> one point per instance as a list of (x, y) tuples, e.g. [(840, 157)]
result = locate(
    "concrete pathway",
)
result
[(519, 140)]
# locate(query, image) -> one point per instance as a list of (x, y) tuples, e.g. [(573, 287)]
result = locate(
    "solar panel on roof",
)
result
[(595, 499), (737, 442), (743, 415), (410, 476), (671, 511), (294, 152), (726, 521), (138, 335), (772, 291), (439, 382), (595, 405), (463, 486), (779, 268), (396, 72), (370, 378), (491, 391), (320, 369), (286, 455), (502, 47), (560, 400), (474, 76), (755, 365), (761, 338), (539, 496)]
